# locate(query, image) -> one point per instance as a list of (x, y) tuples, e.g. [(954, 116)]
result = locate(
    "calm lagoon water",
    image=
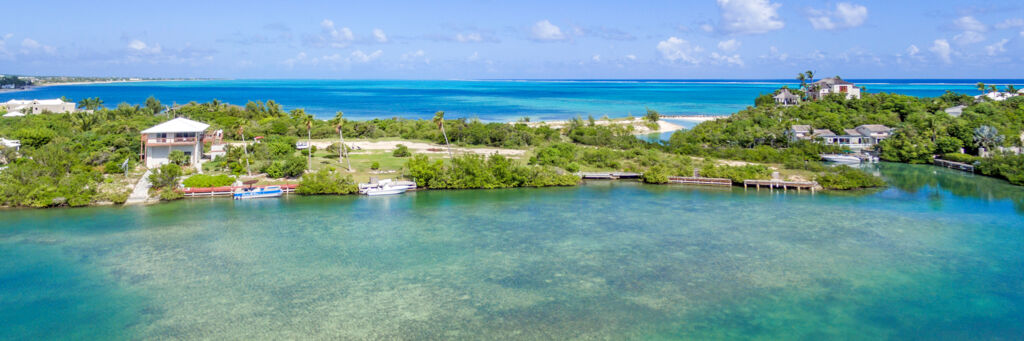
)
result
[(487, 100), (936, 256)]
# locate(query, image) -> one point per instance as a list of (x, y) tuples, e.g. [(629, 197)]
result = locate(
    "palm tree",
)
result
[(810, 76), (439, 120), (993, 88), (84, 120), (1011, 89), (803, 80), (90, 103), (981, 87), (307, 119), (987, 136), (339, 124)]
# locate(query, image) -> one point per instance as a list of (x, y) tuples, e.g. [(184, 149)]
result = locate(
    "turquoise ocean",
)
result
[(487, 100), (936, 256)]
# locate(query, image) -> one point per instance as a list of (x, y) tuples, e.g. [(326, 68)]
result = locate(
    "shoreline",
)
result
[(33, 87)]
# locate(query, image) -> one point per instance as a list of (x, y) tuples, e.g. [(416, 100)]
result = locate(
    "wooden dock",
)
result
[(954, 165), (609, 175), (779, 184), (690, 180), (195, 192)]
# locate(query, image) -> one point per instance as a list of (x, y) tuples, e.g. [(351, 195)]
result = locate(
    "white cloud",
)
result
[(418, 55), (631, 56), (749, 16), (942, 49), (1011, 24), (474, 57), (732, 60), (912, 50), (845, 15), (729, 45), (707, 28), (969, 37), (8, 36), (359, 56), (336, 37), (30, 44), (773, 53), (969, 23), (997, 48), (545, 31), (674, 49), (379, 35), (137, 45), (469, 37), (596, 58)]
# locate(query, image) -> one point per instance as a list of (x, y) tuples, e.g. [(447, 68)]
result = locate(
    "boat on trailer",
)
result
[(258, 192)]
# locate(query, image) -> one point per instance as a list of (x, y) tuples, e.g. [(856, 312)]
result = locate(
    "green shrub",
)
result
[(844, 178), (1009, 167), (401, 151), (375, 165), (326, 181), (178, 157), (959, 157), (112, 167), (204, 180), (170, 194), (736, 173), (165, 176), (292, 167), (656, 175)]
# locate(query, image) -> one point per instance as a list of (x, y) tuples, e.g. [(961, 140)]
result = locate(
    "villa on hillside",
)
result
[(16, 144), (835, 85), (178, 134), (998, 95), (37, 106), (861, 137), (786, 98)]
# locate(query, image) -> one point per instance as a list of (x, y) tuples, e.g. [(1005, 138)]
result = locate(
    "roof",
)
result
[(955, 111), (801, 128), (177, 125), (14, 114), (785, 94), (10, 143), (832, 81), (823, 132), (851, 132), (875, 128), (55, 101)]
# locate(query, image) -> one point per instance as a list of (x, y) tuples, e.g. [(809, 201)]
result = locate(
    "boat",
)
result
[(837, 158), (258, 192), (391, 185), (385, 190)]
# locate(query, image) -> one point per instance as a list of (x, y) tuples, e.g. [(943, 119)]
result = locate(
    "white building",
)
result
[(38, 106), (786, 98), (16, 144), (178, 134), (861, 137), (995, 96), (827, 86)]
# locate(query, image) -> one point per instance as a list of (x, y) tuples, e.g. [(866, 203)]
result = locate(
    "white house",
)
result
[(827, 86), (786, 98), (995, 96), (16, 144), (861, 137), (178, 134), (38, 106)]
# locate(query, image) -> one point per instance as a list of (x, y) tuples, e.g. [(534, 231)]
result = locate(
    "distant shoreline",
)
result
[(31, 87)]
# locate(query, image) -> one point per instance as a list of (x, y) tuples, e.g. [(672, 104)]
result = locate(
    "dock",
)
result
[(954, 165), (608, 175), (691, 180), (193, 192), (779, 184)]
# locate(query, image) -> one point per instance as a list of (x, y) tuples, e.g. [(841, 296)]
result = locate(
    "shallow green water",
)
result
[(936, 256)]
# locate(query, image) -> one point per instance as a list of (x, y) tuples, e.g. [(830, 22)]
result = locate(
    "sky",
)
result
[(483, 39)]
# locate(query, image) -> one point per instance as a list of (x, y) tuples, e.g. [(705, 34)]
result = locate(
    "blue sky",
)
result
[(514, 39)]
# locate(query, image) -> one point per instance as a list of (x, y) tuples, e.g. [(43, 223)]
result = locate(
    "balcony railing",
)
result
[(172, 140)]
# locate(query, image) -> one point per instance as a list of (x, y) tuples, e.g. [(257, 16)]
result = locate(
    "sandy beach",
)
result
[(638, 123)]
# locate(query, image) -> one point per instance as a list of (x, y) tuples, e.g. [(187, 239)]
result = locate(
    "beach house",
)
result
[(834, 85), (177, 134), (786, 98), (861, 137), (38, 106)]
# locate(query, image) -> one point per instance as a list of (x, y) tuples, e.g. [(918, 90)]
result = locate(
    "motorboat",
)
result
[(365, 188), (839, 158), (385, 190), (258, 192)]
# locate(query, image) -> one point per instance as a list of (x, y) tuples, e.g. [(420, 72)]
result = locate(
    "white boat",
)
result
[(385, 190), (838, 158), (365, 188), (258, 192)]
